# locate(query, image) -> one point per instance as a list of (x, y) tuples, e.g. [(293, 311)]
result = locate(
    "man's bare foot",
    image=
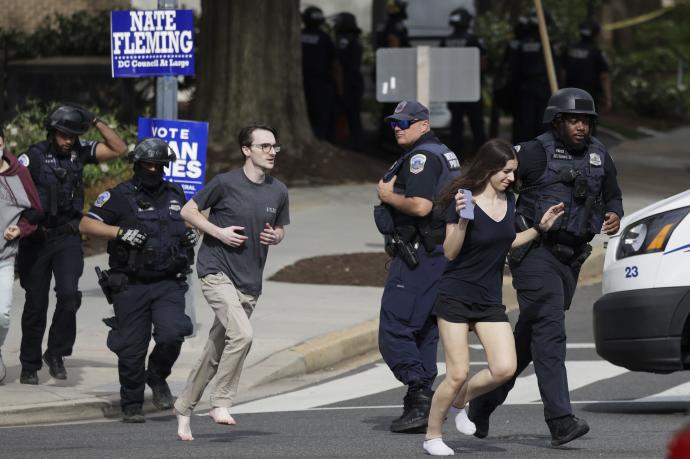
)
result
[(184, 431), (221, 415)]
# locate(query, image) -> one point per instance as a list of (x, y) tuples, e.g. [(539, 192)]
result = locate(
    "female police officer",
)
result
[(150, 250)]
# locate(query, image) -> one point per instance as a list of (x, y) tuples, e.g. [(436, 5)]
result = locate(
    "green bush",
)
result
[(28, 128)]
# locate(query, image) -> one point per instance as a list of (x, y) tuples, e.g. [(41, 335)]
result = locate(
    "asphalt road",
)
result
[(348, 416)]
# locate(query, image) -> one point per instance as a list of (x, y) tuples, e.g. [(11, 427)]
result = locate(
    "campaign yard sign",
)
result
[(188, 139), (152, 43)]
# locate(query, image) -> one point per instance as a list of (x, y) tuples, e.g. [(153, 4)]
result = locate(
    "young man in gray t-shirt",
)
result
[(248, 212)]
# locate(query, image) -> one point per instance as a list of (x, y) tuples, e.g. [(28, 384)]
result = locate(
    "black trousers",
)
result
[(38, 262), (545, 288), (138, 308), (475, 115)]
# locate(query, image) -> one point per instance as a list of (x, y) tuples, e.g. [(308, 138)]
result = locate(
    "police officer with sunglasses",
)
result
[(414, 235)]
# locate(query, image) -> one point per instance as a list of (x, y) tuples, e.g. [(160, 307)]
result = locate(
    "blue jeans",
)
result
[(6, 282)]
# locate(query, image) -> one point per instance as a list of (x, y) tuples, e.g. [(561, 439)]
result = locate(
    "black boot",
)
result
[(162, 398), (56, 366), (132, 414), (479, 414), (414, 419), (566, 428), (28, 377)]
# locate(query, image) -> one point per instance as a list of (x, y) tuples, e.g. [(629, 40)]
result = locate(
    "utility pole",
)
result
[(166, 86)]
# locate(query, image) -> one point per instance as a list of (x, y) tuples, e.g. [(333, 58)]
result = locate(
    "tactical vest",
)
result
[(60, 184), (449, 171), (162, 255), (584, 212)]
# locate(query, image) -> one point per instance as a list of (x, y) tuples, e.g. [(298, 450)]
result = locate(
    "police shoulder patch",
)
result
[(102, 199), (417, 163), (24, 160)]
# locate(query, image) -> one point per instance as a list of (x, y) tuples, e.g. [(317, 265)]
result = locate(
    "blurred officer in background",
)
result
[(586, 66), (391, 34), (320, 72), (461, 21), (414, 233), (565, 164), (57, 167), (349, 51), (150, 250), (528, 68)]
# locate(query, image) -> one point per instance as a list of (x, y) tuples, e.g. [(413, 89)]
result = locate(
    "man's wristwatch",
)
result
[(537, 229)]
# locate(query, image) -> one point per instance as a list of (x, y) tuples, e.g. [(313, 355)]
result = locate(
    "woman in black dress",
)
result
[(470, 291)]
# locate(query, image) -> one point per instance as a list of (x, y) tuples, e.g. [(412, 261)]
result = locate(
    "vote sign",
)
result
[(188, 139), (152, 43)]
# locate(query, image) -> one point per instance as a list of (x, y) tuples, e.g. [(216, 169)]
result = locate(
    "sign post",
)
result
[(166, 86)]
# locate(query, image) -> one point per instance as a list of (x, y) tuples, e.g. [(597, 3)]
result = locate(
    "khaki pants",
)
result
[(228, 344)]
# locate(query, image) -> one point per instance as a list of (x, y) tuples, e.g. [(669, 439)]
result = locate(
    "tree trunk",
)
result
[(250, 70)]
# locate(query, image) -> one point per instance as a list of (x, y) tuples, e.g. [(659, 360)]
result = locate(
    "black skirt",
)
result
[(455, 311)]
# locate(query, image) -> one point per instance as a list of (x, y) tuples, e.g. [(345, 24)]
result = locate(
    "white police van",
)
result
[(642, 321)]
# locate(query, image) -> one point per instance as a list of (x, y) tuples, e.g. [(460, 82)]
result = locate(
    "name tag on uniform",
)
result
[(561, 153)]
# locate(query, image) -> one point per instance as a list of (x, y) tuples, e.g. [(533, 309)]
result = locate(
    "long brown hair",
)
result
[(491, 158)]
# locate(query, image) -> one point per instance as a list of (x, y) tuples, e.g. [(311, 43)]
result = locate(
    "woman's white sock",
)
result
[(462, 422), (436, 447)]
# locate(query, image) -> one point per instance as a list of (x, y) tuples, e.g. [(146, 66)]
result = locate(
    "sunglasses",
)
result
[(402, 124)]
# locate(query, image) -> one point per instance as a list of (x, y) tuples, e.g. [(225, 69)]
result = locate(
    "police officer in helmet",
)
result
[(320, 72), (56, 166), (349, 51), (586, 66), (461, 20), (566, 164), (414, 233), (150, 250)]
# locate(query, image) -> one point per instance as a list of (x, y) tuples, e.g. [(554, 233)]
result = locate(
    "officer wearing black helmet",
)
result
[(528, 69), (320, 72), (151, 250), (349, 51), (461, 20), (565, 164), (56, 167), (586, 66)]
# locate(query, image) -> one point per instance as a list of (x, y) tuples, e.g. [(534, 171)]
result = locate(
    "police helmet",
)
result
[(589, 28), (152, 150), (68, 120), (396, 8), (312, 16), (345, 23), (460, 18), (532, 21), (569, 100)]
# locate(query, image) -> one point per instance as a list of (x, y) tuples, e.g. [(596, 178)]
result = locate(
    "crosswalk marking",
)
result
[(679, 393), (380, 379)]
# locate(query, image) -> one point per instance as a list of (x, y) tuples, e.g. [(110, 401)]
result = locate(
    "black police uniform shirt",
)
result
[(464, 40), (418, 178), (532, 163), (349, 51), (583, 64), (318, 54), (395, 28), (42, 159), (475, 276), (113, 208), (235, 200)]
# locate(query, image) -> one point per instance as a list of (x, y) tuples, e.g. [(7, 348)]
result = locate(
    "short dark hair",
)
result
[(244, 138)]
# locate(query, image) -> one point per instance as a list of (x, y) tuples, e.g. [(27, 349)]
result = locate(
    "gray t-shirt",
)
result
[(235, 200)]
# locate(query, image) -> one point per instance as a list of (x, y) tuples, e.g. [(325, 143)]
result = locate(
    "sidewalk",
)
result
[(298, 327)]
